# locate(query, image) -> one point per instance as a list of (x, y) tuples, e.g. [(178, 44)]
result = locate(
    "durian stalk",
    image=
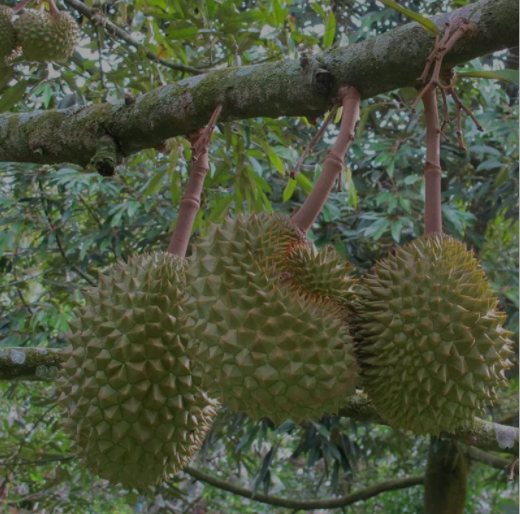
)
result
[(432, 169), (334, 162), (190, 202), (20, 6)]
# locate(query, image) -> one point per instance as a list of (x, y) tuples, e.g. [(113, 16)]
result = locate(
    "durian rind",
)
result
[(47, 37), (133, 397), (432, 348), (267, 350), (8, 39)]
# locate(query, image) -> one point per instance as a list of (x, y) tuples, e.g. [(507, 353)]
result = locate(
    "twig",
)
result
[(112, 29)]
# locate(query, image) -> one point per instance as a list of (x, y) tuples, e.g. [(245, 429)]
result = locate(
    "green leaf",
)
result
[(330, 30), (425, 22), (221, 207), (397, 226), (507, 75), (276, 161), (318, 9), (13, 95), (154, 184), (377, 229), (289, 190)]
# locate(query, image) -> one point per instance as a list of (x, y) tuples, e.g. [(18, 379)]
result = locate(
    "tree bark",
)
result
[(446, 479), (285, 88), (42, 364)]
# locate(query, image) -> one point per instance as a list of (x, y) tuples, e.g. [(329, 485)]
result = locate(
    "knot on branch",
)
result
[(105, 158)]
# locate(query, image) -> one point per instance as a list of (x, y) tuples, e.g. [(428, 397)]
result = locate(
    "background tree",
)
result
[(60, 224)]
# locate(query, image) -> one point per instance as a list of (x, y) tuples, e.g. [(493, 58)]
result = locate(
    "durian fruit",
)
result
[(270, 347), (135, 406), (47, 36), (9, 47), (432, 350)]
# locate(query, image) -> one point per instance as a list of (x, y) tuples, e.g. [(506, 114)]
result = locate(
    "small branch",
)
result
[(479, 433), (490, 459), (190, 202), (334, 162), (29, 364), (112, 29), (313, 142), (432, 169), (333, 503)]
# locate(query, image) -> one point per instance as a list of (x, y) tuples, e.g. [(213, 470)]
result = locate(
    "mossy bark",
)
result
[(284, 88), (446, 479)]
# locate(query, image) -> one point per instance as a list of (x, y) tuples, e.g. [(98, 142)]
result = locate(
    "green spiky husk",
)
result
[(47, 37), (133, 398), (9, 48), (268, 349), (432, 349)]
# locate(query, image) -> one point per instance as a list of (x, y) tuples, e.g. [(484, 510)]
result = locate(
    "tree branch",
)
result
[(113, 30), (283, 88), (332, 503), (42, 364), (490, 459)]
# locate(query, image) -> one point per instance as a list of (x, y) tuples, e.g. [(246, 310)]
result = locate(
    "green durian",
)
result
[(269, 347), (9, 47), (135, 406), (47, 36), (432, 350)]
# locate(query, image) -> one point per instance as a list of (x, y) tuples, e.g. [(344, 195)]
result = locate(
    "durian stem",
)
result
[(54, 9), (190, 202), (432, 169), (20, 6), (334, 162)]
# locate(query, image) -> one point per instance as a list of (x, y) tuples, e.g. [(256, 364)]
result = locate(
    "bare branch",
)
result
[(332, 503)]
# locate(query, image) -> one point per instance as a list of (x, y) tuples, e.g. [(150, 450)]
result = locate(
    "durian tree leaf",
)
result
[(330, 30), (13, 95), (289, 189), (506, 75), (425, 22)]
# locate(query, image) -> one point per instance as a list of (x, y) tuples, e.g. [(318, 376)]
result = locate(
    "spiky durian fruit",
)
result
[(47, 36), (269, 348), (8, 41), (133, 397), (432, 350)]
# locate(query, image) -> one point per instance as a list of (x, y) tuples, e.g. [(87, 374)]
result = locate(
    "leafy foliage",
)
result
[(61, 225)]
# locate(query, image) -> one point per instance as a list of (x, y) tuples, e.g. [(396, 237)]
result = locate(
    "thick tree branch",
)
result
[(42, 364), (284, 88), (113, 30), (332, 503)]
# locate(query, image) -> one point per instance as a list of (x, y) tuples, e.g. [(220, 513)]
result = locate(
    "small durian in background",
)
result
[(8, 39), (9, 43), (47, 36)]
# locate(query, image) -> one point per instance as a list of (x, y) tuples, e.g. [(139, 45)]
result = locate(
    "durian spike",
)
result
[(190, 202), (20, 6), (334, 162), (432, 169)]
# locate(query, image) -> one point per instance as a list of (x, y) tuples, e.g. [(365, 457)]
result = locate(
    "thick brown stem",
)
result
[(309, 211), (432, 169), (54, 10), (190, 202), (20, 6)]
